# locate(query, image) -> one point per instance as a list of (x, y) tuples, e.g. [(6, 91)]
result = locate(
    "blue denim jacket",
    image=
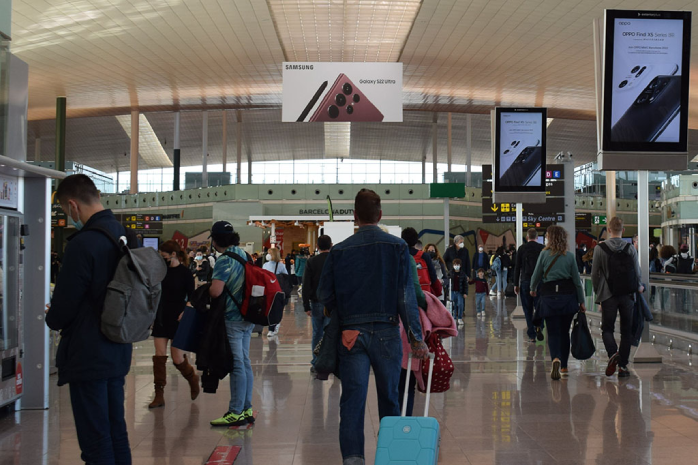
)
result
[(367, 278)]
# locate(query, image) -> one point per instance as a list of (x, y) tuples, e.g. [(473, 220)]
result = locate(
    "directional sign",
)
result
[(582, 220), (142, 223), (527, 219), (600, 220), (552, 205)]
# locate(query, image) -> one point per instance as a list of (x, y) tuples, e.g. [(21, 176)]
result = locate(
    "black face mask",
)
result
[(432, 255)]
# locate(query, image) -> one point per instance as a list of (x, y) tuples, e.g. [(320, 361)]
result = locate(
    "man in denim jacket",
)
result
[(367, 279)]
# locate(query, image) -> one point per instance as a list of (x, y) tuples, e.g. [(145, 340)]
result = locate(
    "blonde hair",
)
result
[(275, 254), (557, 240)]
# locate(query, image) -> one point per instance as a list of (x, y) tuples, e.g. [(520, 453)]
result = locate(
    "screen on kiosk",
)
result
[(647, 59), (520, 151)]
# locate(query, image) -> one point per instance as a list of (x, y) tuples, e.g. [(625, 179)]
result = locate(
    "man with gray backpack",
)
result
[(99, 279), (615, 275)]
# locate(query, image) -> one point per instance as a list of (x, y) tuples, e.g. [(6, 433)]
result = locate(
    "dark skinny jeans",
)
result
[(610, 308)]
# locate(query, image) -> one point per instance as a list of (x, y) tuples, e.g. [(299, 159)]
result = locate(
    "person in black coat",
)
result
[(94, 367), (458, 250)]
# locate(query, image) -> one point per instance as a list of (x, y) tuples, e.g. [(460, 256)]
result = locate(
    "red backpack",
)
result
[(443, 366), (262, 301), (424, 278)]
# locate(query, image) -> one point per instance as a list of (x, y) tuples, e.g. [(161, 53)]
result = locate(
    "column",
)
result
[(204, 150), (225, 141), (519, 311), (60, 133), (134, 151), (424, 169), (434, 146), (272, 237), (611, 194), (569, 223), (646, 353), (176, 156), (238, 141), (249, 168), (447, 222), (449, 147), (469, 150)]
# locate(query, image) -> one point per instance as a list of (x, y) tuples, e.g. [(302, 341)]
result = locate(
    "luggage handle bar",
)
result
[(407, 384)]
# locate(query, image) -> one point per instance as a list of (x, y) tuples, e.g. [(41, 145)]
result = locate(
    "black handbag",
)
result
[(582, 343), (327, 361)]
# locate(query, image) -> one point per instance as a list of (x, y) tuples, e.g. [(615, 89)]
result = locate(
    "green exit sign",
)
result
[(600, 220), (447, 190)]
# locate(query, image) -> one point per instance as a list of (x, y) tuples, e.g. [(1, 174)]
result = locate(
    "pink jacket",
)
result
[(436, 320)]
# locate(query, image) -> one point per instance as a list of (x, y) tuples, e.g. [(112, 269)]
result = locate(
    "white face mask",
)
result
[(461, 245), (546, 241), (456, 267), (481, 249), (199, 258), (268, 257)]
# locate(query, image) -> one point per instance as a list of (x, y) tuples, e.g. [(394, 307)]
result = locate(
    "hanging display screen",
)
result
[(645, 94), (520, 150)]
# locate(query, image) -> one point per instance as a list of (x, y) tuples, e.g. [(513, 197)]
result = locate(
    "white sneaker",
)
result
[(461, 323), (499, 294)]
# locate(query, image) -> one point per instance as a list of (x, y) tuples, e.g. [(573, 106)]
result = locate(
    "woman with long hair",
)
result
[(440, 268), (560, 295), (177, 289), (274, 264)]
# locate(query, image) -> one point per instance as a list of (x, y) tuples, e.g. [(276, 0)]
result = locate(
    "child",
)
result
[(481, 290), (459, 289)]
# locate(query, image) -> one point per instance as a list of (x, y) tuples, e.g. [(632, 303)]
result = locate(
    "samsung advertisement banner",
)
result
[(646, 65), (342, 92), (519, 154)]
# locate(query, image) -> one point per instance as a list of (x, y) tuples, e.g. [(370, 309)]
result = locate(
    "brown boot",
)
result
[(160, 379), (190, 375)]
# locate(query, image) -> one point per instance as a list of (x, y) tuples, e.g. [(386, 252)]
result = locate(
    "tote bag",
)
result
[(582, 342)]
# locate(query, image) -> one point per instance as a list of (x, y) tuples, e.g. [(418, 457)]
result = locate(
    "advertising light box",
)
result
[(645, 81), (342, 92), (519, 152)]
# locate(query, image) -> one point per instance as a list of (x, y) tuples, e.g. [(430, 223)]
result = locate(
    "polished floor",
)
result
[(502, 408)]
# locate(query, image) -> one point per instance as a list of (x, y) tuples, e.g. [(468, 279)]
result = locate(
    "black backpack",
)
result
[(685, 265), (622, 277)]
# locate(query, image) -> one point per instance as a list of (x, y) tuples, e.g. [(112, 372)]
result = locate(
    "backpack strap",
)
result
[(243, 262), (276, 267), (122, 246), (545, 276)]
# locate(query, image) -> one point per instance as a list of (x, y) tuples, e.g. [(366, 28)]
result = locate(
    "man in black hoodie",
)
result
[(94, 367), (526, 259)]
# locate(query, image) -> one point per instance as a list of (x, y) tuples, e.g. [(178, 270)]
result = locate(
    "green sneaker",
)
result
[(230, 419), (249, 416)]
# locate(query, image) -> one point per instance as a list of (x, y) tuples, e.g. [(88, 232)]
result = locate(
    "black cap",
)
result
[(221, 228)]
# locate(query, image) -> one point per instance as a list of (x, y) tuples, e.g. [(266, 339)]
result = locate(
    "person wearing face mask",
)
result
[(459, 291), (458, 250), (441, 271), (177, 289), (202, 269), (93, 366), (481, 259), (274, 264)]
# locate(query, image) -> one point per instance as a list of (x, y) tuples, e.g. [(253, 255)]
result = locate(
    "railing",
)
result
[(673, 301)]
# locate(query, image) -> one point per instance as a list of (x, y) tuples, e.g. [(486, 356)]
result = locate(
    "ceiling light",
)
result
[(149, 147)]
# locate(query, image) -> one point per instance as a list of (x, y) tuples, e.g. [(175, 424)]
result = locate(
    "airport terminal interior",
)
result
[(482, 125)]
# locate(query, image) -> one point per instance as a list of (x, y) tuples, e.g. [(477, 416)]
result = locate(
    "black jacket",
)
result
[(460, 280), (311, 278), (452, 253), (526, 255), (84, 353)]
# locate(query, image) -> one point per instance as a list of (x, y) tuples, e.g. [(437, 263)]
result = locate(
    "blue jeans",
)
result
[(501, 284), (98, 409), (458, 304), (480, 302), (529, 304), (241, 378), (319, 320), (378, 346)]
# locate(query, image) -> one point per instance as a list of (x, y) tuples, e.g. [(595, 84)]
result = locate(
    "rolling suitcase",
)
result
[(410, 440)]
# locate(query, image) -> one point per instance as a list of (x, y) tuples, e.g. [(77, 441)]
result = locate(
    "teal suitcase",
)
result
[(410, 440)]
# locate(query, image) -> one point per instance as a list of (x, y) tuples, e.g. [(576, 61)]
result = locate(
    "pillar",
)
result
[(176, 183), (646, 353), (225, 141), (424, 169), (519, 311), (204, 150), (611, 194), (434, 146), (60, 133), (134, 151), (447, 222), (249, 168), (238, 137), (449, 147), (469, 150)]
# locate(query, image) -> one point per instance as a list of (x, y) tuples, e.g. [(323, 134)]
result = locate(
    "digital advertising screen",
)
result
[(520, 149), (645, 94)]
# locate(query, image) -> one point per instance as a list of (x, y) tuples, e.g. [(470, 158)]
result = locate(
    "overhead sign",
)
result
[(342, 92), (142, 223), (552, 205), (447, 190), (519, 157), (527, 219), (582, 220), (645, 88), (600, 220)]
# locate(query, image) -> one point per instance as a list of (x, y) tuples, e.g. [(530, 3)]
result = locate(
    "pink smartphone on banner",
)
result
[(344, 102)]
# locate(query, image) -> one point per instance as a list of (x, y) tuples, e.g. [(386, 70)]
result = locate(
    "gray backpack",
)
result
[(133, 295)]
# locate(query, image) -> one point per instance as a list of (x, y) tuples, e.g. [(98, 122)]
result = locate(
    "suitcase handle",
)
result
[(407, 384)]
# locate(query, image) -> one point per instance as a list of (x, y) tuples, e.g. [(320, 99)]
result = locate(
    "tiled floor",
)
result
[(502, 409)]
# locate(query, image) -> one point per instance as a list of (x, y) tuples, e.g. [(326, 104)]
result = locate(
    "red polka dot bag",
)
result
[(443, 366)]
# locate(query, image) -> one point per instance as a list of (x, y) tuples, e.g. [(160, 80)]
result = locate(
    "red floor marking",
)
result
[(223, 455), (247, 426)]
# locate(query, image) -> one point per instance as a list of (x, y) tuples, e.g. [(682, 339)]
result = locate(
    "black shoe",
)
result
[(539, 333), (623, 372), (612, 364)]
